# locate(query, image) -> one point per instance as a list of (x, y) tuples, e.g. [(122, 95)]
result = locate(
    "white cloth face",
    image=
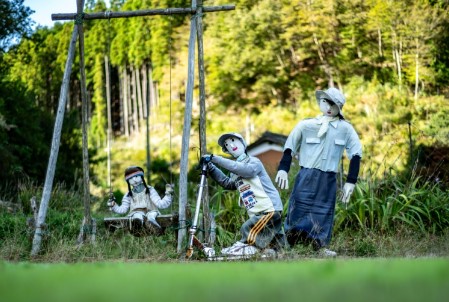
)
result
[(135, 181), (234, 146), (329, 108), (139, 188)]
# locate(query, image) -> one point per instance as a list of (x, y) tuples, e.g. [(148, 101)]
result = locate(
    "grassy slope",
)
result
[(423, 279)]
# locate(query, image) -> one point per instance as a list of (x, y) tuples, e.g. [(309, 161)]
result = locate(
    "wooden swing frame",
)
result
[(196, 33)]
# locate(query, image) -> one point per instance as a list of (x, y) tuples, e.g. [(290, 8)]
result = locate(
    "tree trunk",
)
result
[(398, 67), (134, 101), (379, 39), (321, 55), (139, 93), (417, 70), (125, 102), (145, 89), (129, 102), (155, 94), (151, 92)]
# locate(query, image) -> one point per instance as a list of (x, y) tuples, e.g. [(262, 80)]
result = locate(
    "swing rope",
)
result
[(187, 223), (170, 96), (170, 168), (108, 96)]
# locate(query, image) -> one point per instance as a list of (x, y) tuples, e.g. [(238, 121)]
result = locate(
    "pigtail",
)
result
[(147, 190), (129, 189)]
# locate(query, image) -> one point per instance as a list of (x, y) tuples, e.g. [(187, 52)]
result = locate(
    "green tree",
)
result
[(245, 60), (14, 23)]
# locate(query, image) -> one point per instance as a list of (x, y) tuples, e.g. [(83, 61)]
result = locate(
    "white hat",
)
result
[(332, 94), (223, 137)]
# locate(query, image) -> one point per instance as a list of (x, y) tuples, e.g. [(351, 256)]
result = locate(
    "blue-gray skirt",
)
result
[(311, 207)]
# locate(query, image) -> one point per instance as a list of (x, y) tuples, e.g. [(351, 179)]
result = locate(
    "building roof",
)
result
[(275, 140)]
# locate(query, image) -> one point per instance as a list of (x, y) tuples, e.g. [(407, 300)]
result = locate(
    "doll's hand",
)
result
[(348, 188), (169, 189), (111, 201), (282, 179), (205, 159)]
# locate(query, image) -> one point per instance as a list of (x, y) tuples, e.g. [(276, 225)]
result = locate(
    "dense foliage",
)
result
[(15, 22)]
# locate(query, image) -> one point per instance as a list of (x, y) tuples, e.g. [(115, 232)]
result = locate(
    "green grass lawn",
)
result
[(423, 279)]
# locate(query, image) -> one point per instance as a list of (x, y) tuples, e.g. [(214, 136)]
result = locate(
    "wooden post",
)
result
[(186, 133), (203, 142), (34, 209), (40, 222), (87, 221), (147, 12)]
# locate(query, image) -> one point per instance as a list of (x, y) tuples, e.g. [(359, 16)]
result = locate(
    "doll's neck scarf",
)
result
[(325, 120)]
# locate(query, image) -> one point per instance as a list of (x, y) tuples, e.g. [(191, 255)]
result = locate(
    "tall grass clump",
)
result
[(389, 203), (63, 220), (229, 215)]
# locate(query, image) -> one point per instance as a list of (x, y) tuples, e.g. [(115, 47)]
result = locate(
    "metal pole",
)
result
[(194, 226)]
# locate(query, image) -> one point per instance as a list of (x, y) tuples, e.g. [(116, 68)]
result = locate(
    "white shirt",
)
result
[(323, 153), (151, 203)]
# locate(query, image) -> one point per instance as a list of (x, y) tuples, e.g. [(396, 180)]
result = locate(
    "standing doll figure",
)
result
[(258, 195), (142, 201), (320, 143)]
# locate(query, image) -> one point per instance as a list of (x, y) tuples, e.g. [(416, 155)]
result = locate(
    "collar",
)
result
[(242, 157), (334, 121)]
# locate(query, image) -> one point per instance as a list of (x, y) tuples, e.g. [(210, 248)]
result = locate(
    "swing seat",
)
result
[(165, 221)]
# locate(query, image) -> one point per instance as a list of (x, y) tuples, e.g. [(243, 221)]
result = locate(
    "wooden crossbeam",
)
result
[(146, 12)]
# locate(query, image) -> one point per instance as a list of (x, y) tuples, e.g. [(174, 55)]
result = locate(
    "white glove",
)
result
[(169, 189), (282, 179), (111, 201), (347, 191)]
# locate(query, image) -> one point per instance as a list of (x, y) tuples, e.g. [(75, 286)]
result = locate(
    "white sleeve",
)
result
[(124, 207), (157, 201), (294, 139), (353, 146)]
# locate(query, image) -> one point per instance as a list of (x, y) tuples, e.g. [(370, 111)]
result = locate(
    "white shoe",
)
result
[(246, 250), (327, 253), (234, 246), (209, 252)]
